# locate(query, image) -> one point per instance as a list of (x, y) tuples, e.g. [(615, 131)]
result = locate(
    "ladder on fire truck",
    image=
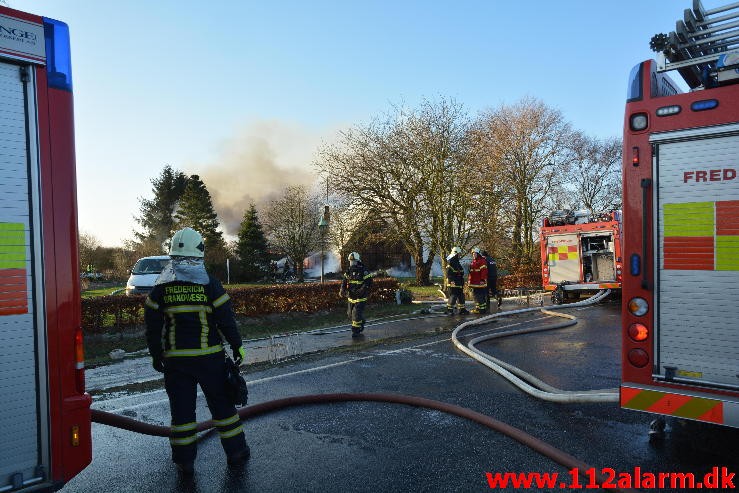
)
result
[(704, 47)]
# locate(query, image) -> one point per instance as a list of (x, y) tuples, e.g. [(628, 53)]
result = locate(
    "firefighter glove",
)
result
[(158, 363), (239, 355)]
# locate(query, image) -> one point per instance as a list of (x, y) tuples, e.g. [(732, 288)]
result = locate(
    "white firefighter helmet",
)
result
[(187, 243), (476, 250), (354, 256), (455, 251)]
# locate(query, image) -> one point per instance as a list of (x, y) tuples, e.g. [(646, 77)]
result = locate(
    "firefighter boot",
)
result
[(463, 311), (185, 468), (239, 458)]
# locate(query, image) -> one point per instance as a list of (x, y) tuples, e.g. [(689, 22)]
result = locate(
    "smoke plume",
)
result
[(256, 165)]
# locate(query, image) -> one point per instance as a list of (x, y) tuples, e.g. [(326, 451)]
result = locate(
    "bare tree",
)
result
[(292, 225), (527, 142), (595, 176), (345, 219), (405, 169), (88, 246), (437, 136), (374, 169)]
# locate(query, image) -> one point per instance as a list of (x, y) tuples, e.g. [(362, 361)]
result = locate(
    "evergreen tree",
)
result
[(157, 215), (252, 247), (195, 210)]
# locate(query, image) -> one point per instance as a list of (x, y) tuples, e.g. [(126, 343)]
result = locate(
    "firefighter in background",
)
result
[(478, 281), (356, 287), (455, 281), (185, 314), (492, 280)]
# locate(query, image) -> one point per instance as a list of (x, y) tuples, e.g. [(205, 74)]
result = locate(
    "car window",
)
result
[(149, 266)]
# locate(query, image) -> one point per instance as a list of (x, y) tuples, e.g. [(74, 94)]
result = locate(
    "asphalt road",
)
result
[(363, 447)]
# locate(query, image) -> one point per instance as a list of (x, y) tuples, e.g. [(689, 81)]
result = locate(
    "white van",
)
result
[(145, 273)]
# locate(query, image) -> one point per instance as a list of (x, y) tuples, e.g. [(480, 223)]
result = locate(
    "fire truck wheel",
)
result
[(557, 296), (657, 429)]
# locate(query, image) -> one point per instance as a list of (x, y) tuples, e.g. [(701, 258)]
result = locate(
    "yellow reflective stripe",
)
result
[(356, 301), (478, 285), (356, 282), (203, 330), (184, 441), (227, 421), (221, 300), (172, 331), (368, 276), (185, 427), (151, 304), (193, 352), (231, 433), (188, 309)]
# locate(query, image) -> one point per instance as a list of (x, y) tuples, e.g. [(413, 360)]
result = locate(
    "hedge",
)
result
[(530, 280), (119, 313)]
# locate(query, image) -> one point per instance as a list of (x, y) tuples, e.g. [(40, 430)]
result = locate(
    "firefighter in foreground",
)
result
[(455, 281), (356, 287), (185, 314), (478, 281)]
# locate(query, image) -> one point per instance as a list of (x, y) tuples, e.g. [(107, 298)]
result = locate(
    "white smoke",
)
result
[(256, 165)]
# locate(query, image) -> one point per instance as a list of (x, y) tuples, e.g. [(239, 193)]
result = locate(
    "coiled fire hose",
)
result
[(524, 381), (254, 410)]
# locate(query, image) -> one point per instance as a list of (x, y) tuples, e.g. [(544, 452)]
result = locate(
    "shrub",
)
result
[(120, 313)]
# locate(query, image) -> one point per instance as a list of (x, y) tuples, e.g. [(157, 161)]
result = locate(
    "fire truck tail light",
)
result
[(638, 332), (638, 306), (75, 436), (638, 358), (79, 353), (638, 121), (635, 156), (635, 264)]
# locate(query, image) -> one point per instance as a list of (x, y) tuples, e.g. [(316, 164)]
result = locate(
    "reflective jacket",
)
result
[(455, 273), (356, 283), (478, 277), (187, 319)]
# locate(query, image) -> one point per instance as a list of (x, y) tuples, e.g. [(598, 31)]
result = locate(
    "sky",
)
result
[(244, 92)]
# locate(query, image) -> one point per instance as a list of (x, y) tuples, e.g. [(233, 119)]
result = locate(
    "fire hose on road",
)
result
[(524, 381), (254, 410)]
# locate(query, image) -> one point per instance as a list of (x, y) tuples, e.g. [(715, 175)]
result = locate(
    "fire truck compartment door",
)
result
[(22, 424), (563, 258), (697, 257)]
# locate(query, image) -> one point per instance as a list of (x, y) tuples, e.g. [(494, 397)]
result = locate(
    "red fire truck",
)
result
[(44, 410), (580, 253), (681, 224)]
